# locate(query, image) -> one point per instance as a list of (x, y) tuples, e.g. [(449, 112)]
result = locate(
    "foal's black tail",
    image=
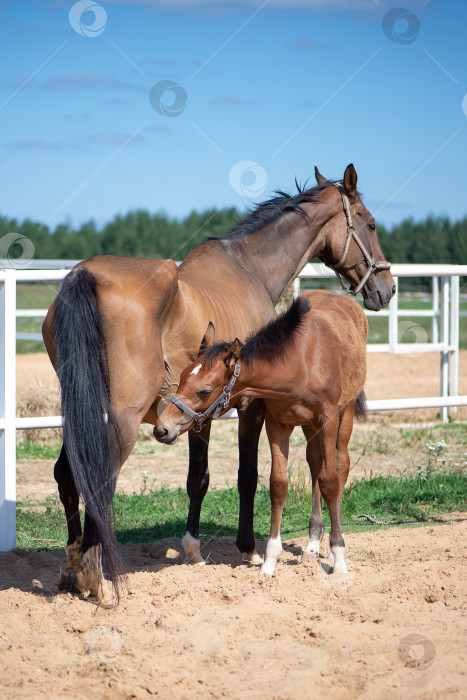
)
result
[(361, 408), (90, 438)]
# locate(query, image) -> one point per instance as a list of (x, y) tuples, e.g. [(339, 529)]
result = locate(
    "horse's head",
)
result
[(204, 390), (351, 246)]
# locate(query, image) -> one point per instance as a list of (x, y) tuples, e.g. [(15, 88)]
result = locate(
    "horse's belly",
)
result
[(290, 413)]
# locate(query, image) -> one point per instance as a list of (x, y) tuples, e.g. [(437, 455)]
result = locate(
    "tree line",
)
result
[(139, 233)]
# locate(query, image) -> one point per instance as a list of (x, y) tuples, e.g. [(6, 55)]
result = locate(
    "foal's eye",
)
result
[(372, 227), (205, 392)]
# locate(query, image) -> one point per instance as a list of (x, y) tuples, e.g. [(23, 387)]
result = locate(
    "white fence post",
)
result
[(444, 378), (8, 411), (435, 308), (393, 321), (454, 340), (296, 288)]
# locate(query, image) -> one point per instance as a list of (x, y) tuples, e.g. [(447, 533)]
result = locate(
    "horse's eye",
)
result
[(205, 392), (372, 227)]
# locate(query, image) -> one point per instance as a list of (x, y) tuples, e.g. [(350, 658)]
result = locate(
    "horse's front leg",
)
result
[(196, 486), (249, 429), (278, 436)]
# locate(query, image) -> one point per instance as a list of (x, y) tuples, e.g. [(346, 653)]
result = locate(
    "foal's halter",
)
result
[(372, 264), (217, 406)]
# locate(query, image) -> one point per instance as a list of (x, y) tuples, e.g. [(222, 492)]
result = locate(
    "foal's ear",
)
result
[(233, 354), (209, 337), (319, 178), (350, 181)]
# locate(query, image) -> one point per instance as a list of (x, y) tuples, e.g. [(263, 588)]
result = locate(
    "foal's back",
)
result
[(339, 327)]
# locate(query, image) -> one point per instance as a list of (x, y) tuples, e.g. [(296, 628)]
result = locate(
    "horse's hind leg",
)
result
[(278, 436), (70, 500), (196, 486), (330, 485), (88, 577), (315, 462), (249, 429)]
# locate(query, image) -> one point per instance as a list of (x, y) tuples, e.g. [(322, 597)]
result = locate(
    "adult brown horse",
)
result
[(121, 331), (309, 367)]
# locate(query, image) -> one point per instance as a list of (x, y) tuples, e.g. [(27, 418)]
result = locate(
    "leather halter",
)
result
[(372, 264), (217, 406)]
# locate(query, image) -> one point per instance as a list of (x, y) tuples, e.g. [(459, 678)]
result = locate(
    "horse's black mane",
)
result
[(271, 342), (267, 212)]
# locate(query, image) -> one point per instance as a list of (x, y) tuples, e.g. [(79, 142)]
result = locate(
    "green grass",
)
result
[(415, 498), (28, 449), (38, 295)]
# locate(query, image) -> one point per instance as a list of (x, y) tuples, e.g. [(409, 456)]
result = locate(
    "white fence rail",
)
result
[(445, 310)]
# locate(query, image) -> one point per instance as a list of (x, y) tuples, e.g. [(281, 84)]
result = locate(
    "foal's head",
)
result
[(201, 383)]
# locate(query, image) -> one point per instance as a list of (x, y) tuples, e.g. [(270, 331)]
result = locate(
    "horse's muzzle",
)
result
[(165, 436)]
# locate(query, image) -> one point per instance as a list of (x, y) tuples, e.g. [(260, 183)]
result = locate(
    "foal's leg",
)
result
[(330, 486), (249, 429), (278, 436), (196, 485), (315, 462), (342, 454)]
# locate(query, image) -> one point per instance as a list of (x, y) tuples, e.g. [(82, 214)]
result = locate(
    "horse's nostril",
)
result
[(393, 291), (160, 432)]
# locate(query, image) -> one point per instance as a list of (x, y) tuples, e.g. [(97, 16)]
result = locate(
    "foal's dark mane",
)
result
[(266, 213), (271, 342)]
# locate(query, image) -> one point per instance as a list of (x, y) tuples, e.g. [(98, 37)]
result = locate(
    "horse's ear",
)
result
[(209, 337), (350, 181), (319, 178), (233, 354)]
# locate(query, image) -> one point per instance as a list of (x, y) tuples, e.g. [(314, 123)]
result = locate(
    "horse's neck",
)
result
[(277, 253), (253, 382)]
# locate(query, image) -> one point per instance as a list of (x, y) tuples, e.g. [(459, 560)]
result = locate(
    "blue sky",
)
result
[(263, 91)]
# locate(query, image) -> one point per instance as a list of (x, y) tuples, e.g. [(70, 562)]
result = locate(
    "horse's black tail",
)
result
[(90, 432), (361, 408)]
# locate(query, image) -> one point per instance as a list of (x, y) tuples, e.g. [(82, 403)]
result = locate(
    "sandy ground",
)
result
[(393, 628)]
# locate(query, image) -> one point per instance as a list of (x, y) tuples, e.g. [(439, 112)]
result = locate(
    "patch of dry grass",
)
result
[(38, 399)]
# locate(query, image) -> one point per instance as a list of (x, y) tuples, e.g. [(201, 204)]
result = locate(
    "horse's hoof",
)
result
[(268, 568), (195, 560), (105, 597), (340, 568), (252, 558), (68, 581), (309, 556)]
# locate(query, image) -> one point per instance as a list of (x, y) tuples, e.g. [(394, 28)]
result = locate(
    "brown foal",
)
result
[(309, 367)]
